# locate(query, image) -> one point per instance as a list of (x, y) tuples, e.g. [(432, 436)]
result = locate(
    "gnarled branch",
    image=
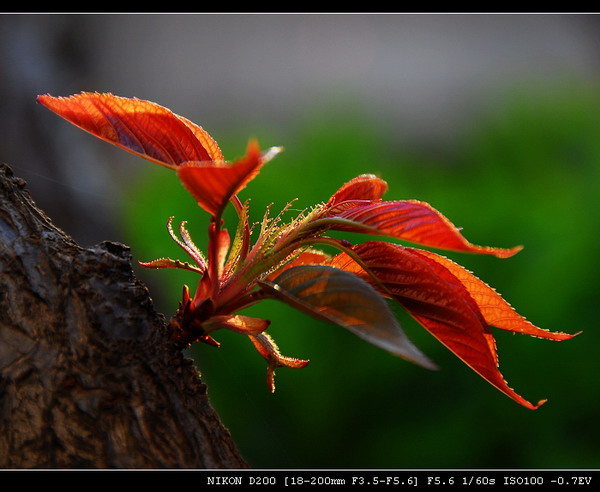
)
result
[(88, 375)]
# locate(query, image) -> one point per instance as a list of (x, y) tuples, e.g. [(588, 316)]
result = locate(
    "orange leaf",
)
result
[(495, 310), (267, 347), (246, 325), (413, 221), (364, 187), (438, 301), (169, 263), (141, 127), (213, 184), (342, 298), (308, 257)]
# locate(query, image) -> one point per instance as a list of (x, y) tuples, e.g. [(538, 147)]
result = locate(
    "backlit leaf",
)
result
[(495, 310), (308, 257), (413, 221), (437, 300), (267, 347), (364, 187), (213, 184), (246, 325), (169, 263), (141, 127), (340, 297)]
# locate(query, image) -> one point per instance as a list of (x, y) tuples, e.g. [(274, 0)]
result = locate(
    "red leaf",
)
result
[(141, 127), (187, 244), (342, 298), (213, 184), (246, 325), (437, 300), (169, 263), (364, 187), (308, 257), (495, 310), (267, 347), (415, 222), (218, 249)]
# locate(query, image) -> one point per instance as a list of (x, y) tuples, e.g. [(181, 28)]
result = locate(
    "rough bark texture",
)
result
[(88, 375)]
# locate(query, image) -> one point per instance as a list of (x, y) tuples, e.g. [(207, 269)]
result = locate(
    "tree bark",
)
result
[(89, 377)]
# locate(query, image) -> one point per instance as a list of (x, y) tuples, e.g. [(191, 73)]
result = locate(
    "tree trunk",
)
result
[(89, 377)]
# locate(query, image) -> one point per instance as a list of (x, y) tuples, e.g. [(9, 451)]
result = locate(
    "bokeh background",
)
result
[(492, 119)]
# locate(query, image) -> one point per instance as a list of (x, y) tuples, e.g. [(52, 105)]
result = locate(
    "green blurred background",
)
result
[(528, 175), (492, 119)]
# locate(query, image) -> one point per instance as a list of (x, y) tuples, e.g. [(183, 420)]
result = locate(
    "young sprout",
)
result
[(283, 261)]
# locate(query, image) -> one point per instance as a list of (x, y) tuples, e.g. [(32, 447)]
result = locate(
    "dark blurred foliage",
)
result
[(527, 173)]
